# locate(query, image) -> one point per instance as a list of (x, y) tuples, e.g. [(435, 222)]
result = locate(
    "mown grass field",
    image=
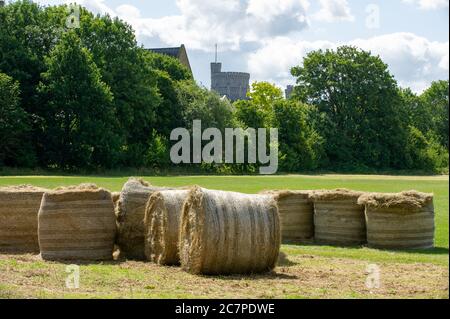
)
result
[(305, 271)]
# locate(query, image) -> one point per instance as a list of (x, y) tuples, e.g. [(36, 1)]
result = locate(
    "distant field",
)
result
[(307, 271)]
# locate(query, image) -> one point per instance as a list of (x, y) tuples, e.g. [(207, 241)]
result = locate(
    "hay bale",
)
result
[(130, 217), (296, 212), (19, 218), (399, 221), (77, 223), (338, 218), (162, 220), (229, 233)]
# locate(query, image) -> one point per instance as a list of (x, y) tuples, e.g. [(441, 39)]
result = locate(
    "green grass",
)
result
[(306, 275), (253, 184)]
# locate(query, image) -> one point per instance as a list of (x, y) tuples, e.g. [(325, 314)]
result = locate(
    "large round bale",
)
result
[(19, 207), (229, 233), (399, 221), (162, 221), (130, 217), (296, 211), (77, 223), (338, 218)]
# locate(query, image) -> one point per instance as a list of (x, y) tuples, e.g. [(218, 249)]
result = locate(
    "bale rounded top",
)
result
[(280, 194), (137, 181), (22, 188), (138, 185), (408, 200), (78, 188), (78, 192), (336, 194)]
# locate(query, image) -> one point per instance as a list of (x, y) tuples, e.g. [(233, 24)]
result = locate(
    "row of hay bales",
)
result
[(206, 231), (343, 217)]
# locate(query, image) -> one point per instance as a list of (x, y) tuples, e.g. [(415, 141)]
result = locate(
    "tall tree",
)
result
[(131, 79), (15, 148), (168, 72), (79, 119), (436, 104), (358, 101)]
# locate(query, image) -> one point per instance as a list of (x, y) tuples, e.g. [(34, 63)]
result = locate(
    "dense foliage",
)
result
[(90, 98)]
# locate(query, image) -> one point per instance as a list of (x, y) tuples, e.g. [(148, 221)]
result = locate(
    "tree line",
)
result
[(92, 98)]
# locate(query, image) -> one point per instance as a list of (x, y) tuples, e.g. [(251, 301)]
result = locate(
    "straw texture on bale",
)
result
[(77, 223), (296, 212), (19, 207), (229, 233), (130, 217), (162, 220), (399, 221), (115, 197), (338, 218)]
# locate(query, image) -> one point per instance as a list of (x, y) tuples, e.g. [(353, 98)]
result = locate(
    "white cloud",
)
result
[(414, 61), (229, 23), (429, 4), (96, 6), (275, 59), (334, 11), (271, 28)]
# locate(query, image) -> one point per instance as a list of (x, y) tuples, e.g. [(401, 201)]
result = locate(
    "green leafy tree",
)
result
[(168, 71), (413, 106), (248, 114), (264, 95), (170, 65), (79, 119), (15, 148), (131, 79), (300, 146), (436, 103), (201, 104), (359, 101)]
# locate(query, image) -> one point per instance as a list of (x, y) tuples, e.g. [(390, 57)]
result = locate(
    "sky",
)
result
[(268, 37)]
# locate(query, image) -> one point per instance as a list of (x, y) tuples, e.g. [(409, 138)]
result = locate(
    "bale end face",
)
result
[(338, 218), (19, 218), (130, 217), (401, 221), (192, 232), (162, 220), (77, 224)]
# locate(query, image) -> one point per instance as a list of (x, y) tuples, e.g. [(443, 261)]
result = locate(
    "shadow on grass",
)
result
[(273, 275), (429, 251), (284, 261)]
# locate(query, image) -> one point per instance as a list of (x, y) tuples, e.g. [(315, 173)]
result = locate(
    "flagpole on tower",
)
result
[(216, 53)]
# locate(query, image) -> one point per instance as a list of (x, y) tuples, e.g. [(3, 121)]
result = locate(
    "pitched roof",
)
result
[(174, 52), (177, 52)]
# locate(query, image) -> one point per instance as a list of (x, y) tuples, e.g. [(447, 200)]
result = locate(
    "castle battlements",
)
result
[(234, 85)]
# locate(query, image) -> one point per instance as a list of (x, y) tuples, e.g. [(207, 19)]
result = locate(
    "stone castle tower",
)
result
[(233, 85)]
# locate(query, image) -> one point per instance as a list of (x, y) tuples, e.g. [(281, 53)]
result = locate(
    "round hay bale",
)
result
[(162, 221), (399, 221), (229, 233), (296, 212), (130, 217), (77, 223), (19, 218), (338, 218)]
